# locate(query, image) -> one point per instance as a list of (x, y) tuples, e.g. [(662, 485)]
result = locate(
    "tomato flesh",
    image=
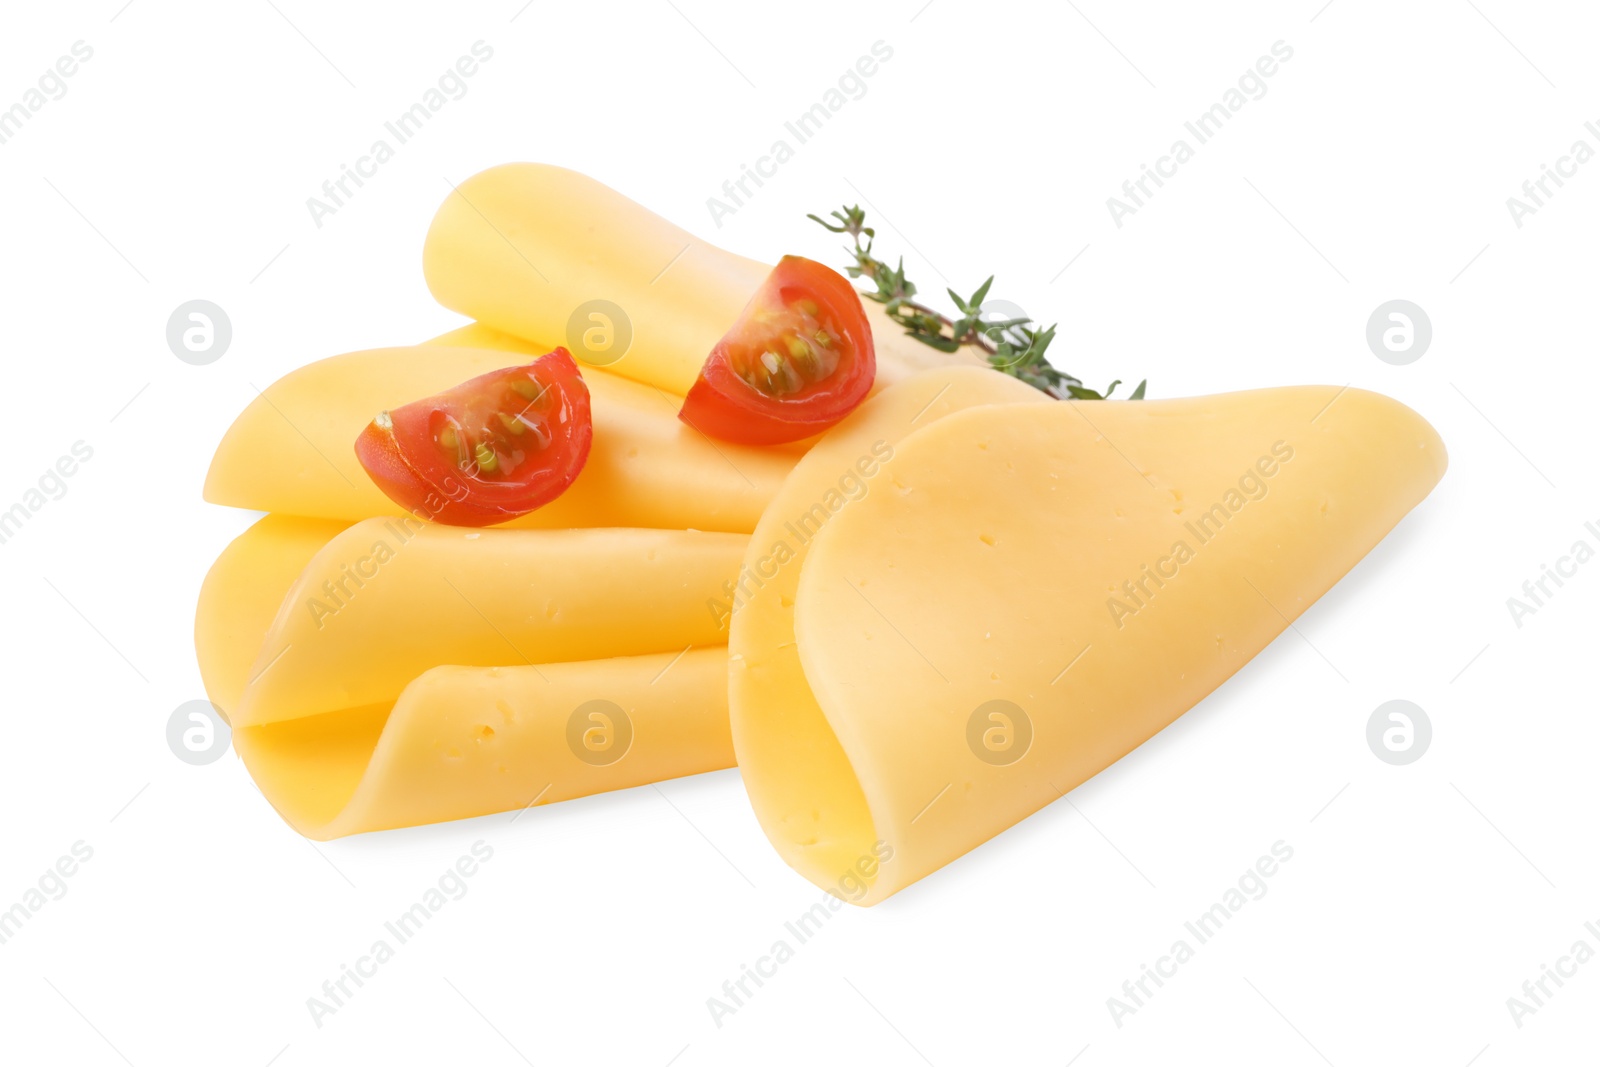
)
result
[(799, 359), (487, 451)]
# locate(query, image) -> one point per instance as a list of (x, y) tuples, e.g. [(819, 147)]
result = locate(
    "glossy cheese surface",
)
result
[(241, 595), (466, 741), (1045, 586), (522, 247), (527, 248), (456, 741), (799, 779), (292, 449), (387, 599)]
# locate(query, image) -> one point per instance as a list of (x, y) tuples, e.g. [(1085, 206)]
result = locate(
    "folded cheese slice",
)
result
[(389, 598), (466, 741), (385, 727), (292, 449), (536, 250), (1038, 589), (241, 595), (799, 778)]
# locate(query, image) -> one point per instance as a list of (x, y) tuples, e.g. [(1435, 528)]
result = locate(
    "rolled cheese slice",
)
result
[(292, 449), (466, 741), (536, 251), (799, 779), (389, 598), (477, 335), (241, 595), (462, 740), (1037, 589)]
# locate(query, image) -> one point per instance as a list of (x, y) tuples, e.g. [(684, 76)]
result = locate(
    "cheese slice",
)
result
[(292, 449), (798, 776), (466, 741), (389, 598), (528, 249), (459, 741), (1028, 592), (241, 595), (477, 335)]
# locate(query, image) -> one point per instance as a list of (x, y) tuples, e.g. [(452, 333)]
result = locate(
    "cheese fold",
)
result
[(466, 741), (531, 249), (1028, 592), (799, 778), (407, 715), (241, 595), (292, 449)]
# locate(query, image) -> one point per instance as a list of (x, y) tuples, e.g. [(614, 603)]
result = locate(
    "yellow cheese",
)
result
[(1031, 591), (389, 598), (292, 450), (477, 335), (461, 741), (241, 595), (798, 777), (468, 741), (528, 249)]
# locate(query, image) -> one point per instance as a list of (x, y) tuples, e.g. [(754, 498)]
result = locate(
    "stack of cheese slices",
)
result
[(909, 632)]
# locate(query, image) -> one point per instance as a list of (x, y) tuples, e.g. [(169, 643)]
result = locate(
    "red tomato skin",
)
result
[(720, 404), (715, 415), (448, 497), (379, 453)]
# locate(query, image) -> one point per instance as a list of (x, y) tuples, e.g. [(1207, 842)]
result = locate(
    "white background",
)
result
[(1377, 166)]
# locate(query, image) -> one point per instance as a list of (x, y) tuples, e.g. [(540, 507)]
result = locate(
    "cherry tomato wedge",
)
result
[(799, 359), (491, 449)]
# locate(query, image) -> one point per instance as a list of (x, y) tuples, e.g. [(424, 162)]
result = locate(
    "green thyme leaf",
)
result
[(1012, 346)]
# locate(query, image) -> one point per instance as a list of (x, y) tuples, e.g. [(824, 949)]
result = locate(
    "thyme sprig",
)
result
[(1012, 346)]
